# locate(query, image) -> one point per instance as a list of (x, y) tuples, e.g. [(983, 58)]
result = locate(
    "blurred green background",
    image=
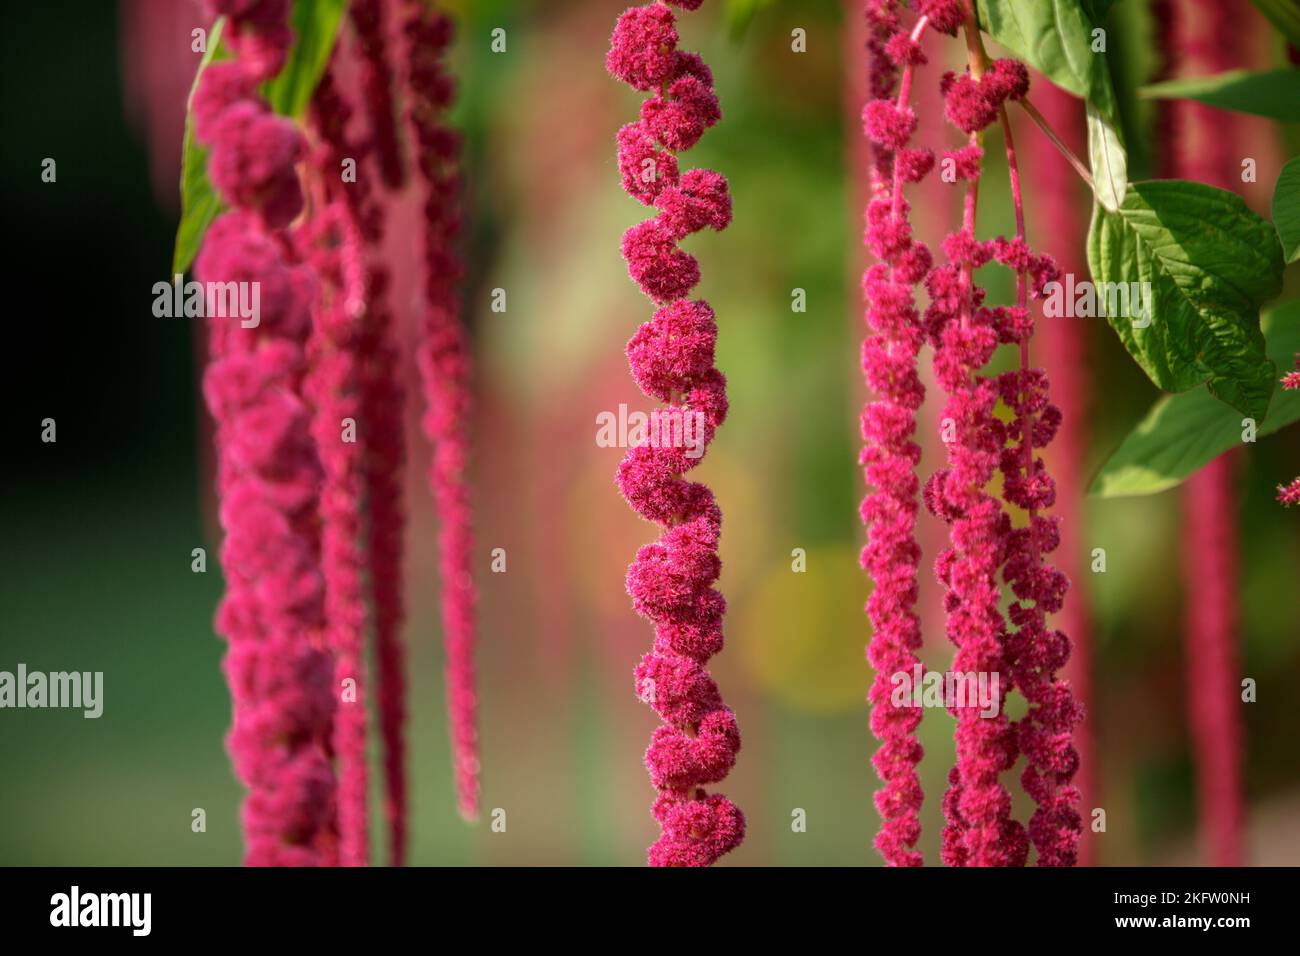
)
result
[(98, 528)]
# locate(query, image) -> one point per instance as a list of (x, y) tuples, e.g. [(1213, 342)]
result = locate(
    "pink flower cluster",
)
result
[(444, 363), (362, 357), (643, 53), (672, 359), (274, 613), (890, 456), (253, 151), (964, 333), (258, 30)]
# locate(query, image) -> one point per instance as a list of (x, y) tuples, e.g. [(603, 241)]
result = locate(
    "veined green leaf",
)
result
[(1274, 93), (1182, 433), (1286, 209), (1206, 263)]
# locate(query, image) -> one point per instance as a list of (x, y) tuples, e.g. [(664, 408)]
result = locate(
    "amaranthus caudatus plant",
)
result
[(309, 410), (1195, 320), (671, 581)]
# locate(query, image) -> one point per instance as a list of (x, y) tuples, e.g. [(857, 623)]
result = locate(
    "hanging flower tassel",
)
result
[(980, 830), (444, 363), (369, 21), (1064, 345), (332, 242), (889, 459), (671, 357), (273, 613)]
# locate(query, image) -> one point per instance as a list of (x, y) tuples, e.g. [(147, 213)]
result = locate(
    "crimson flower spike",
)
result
[(445, 363), (889, 458), (671, 356), (383, 404), (273, 613), (964, 333), (1206, 37), (333, 243)]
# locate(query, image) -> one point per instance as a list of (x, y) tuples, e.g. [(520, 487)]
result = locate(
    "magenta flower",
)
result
[(671, 356), (269, 473), (333, 243), (965, 332), (1060, 207), (444, 363), (258, 31), (891, 554)]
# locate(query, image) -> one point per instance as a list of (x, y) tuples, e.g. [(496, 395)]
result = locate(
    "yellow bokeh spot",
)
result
[(802, 636)]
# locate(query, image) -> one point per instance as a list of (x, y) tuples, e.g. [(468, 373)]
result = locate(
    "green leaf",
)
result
[(1097, 10), (1208, 263), (1108, 160), (1055, 38), (1184, 432), (1286, 209), (316, 28), (1284, 15), (200, 203), (740, 14), (1275, 93)]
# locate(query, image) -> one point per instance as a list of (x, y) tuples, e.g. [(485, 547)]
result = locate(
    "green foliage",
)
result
[(1210, 263), (1274, 93), (1182, 433), (1286, 209), (740, 14), (1108, 160), (316, 28), (199, 201), (1056, 38), (1284, 15)]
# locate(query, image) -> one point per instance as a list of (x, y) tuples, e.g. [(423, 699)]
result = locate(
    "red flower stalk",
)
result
[(980, 831), (332, 241), (965, 332), (890, 456), (1064, 348), (368, 21), (671, 357), (1199, 144), (444, 363), (1034, 653), (383, 401), (273, 613)]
